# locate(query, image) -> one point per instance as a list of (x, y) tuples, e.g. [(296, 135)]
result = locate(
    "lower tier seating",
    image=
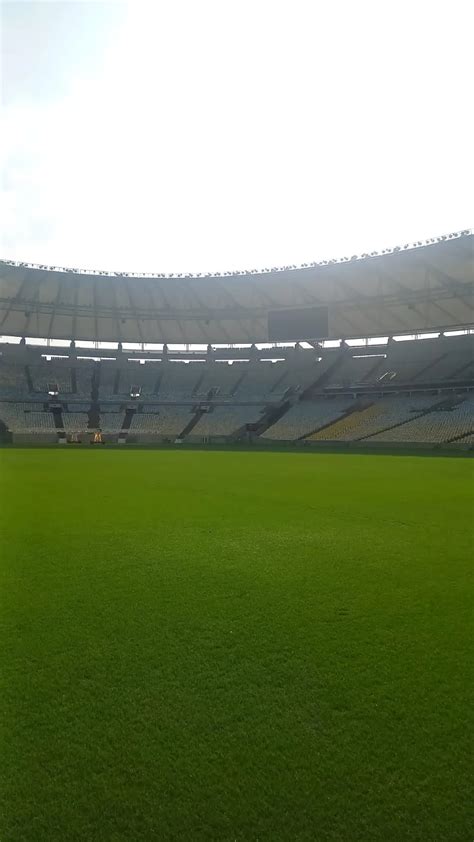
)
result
[(75, 422), (469, 439), (379, 415), (225, 420), (20, 418), (437, 426), (306, 416), (111, 422), (168, 421)]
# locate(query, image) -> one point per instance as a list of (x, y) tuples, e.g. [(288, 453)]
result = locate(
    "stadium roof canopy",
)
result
[(408, 289)]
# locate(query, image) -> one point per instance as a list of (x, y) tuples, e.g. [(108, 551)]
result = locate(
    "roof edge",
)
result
[(467, 232)]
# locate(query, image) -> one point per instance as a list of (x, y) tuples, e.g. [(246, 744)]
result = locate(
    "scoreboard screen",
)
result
[(308, 323)]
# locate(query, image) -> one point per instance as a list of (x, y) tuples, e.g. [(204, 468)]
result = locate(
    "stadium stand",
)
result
[(57, 372), (436, 426), (408, 382), (169, 421), (452, 359), (107, 378), (379, 415), (299, 376), (405, 361), (423, 361), (221, 377), (469, 439), (464, 373), (142, 376), (225, 420), (259, 379), (13, 382), (79, 407), (111, 422), (110, 407), (84, 371), (357, 369), (307, 416), (21, 418), (179, 380), (75, 422)]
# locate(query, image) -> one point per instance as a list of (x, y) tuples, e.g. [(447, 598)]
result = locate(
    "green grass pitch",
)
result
[(234, 646)]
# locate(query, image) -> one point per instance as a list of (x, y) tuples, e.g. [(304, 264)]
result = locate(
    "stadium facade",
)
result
[(374, 350)]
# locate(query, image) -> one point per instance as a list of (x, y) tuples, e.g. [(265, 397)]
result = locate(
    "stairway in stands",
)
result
[(95, 383), (271, 415), (357, 407), (464, 369), (29, 379), (191, 424), (418, 378), (198, 383), (327, 375), (238, 384), (460, 437), (342, 423), (5, 434), (93, 417), (129, 413), (126, 423), (445, 403), (59, 424), (116, 386)]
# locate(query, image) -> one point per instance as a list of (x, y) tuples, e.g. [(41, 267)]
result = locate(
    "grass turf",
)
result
[(234, 646)]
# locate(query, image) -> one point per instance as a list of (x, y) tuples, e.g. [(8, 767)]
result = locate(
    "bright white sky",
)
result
[(200, 135)]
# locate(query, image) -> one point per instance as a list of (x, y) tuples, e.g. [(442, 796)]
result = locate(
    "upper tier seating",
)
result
[(259, 379), (13, 382), (448, 365), (298, 376), (251, 381), (179, 380), (450, 359), (306, 416), (422, 361), (406, 362), (54, 372), (108, 376), (357, 369), (84, 372), (144, 376), (219, 376), (465, 372)]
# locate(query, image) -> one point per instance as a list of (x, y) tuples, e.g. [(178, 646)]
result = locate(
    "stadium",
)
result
[(236, 550), (374, 350)]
